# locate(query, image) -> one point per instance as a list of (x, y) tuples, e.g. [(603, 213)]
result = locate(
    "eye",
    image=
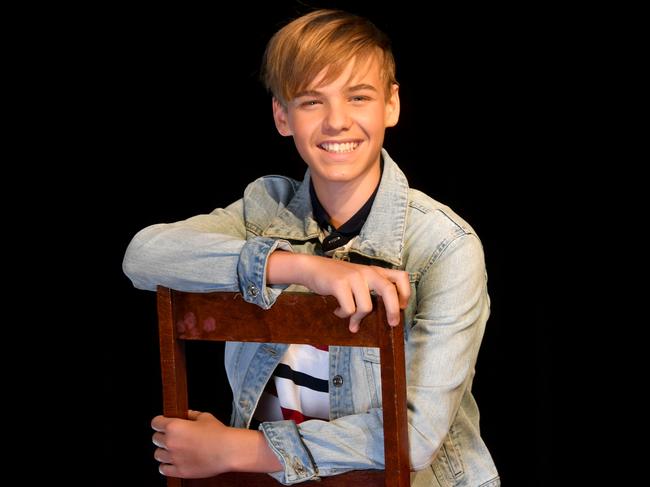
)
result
[(359, 98), (309, 103)]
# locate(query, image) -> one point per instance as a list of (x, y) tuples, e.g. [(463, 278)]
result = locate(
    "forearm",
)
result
[(197, 254), (183, 258), (251, 452), (287, 267), (445, 324)]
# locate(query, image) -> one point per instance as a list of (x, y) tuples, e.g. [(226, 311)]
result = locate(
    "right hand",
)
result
[(349, 283)]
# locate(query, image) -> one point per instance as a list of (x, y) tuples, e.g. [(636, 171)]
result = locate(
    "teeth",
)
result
[(340, 148)]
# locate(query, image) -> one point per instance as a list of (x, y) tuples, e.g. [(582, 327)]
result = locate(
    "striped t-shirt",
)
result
[(298, 389)]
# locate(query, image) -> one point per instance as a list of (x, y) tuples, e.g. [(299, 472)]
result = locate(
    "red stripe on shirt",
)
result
[(297, 416)]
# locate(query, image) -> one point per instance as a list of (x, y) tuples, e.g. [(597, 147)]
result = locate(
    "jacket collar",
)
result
[(382, 236)]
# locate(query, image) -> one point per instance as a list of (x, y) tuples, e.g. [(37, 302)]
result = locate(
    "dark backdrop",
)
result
[(187, 125)]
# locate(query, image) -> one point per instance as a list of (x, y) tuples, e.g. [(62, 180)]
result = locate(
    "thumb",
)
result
[(193, 415), (199, 416)]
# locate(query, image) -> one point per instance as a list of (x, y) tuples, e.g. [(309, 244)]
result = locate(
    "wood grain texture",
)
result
[(294, 318), (358, 478)]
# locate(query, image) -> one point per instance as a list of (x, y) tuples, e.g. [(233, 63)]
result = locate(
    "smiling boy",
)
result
[(352, 227)]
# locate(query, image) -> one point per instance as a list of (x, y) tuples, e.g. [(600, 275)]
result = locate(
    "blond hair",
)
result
[(322, 39)]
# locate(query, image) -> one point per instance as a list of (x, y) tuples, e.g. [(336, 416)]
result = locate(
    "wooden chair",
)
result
[(294, 318)]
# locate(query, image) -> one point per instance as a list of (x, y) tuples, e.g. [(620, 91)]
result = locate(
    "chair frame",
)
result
[(294, 318)]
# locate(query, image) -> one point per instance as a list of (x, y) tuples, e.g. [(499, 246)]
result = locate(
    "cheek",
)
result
[(373, 122), (304, 130), (304, 148)]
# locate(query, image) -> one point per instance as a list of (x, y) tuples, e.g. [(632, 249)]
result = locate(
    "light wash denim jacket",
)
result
[(227, 250)]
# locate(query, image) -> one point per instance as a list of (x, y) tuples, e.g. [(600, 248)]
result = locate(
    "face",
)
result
[(339, 128)]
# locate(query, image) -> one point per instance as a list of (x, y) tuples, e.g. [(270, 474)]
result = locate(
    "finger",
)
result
[(200, 416), (388, 293), (168, 470), (346, 306), (401, 281), (363, 304), (162, 456), (159, 423), (193, 415), (158, 439), (403, 286)]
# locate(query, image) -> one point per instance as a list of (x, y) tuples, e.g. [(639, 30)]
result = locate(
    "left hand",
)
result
[(191, 448)]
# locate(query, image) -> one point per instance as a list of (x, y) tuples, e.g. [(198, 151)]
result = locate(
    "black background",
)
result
[(186, 125)]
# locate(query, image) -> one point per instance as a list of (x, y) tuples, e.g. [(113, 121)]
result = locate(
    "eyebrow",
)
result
[(362, 87), (354, 88)]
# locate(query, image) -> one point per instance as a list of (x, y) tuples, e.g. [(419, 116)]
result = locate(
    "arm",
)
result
[(197, 254), (350, 284), (445, 332), (203, 446), (204, 253)]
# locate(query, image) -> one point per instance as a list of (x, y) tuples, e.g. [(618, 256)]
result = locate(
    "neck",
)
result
[(342, 200)]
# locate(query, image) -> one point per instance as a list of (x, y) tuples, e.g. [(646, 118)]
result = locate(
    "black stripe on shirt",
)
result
[(301, 379)]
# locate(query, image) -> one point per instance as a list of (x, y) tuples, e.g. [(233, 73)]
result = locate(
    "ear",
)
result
[(281, 118), (392, 107)]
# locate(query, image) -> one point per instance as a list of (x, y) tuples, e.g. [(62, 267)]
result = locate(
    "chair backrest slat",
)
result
[(294, 318)]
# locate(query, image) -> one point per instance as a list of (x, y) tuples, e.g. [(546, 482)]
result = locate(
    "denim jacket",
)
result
[(227, 250)]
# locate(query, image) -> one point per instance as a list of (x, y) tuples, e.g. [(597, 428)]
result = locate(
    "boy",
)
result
[(351, 227)]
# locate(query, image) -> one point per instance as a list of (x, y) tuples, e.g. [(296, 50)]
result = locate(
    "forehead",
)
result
[(366, 71)]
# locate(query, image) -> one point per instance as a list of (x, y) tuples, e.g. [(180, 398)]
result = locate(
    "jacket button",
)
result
[(337, 380), (252, 290)]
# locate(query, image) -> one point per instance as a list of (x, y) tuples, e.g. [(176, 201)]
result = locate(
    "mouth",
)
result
[(339, 147)]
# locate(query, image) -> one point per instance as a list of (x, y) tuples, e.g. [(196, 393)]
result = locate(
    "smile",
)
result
[(339, 148)]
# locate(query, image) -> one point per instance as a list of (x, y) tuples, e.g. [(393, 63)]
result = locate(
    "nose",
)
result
[(337, 118)]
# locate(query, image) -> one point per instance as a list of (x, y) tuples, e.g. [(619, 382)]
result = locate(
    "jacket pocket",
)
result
[(372, 367), (448, 465)]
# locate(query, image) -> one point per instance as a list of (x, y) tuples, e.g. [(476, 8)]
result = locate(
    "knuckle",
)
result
[(363, 309), (349, 310), (344, 311), (171, 445), (387, 287)]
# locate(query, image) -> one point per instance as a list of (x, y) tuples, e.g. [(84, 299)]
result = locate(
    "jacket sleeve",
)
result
[(202, 254), (443, 340)]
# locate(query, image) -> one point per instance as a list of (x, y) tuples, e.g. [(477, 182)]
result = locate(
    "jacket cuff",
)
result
[(285, 441), (251, 270)]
